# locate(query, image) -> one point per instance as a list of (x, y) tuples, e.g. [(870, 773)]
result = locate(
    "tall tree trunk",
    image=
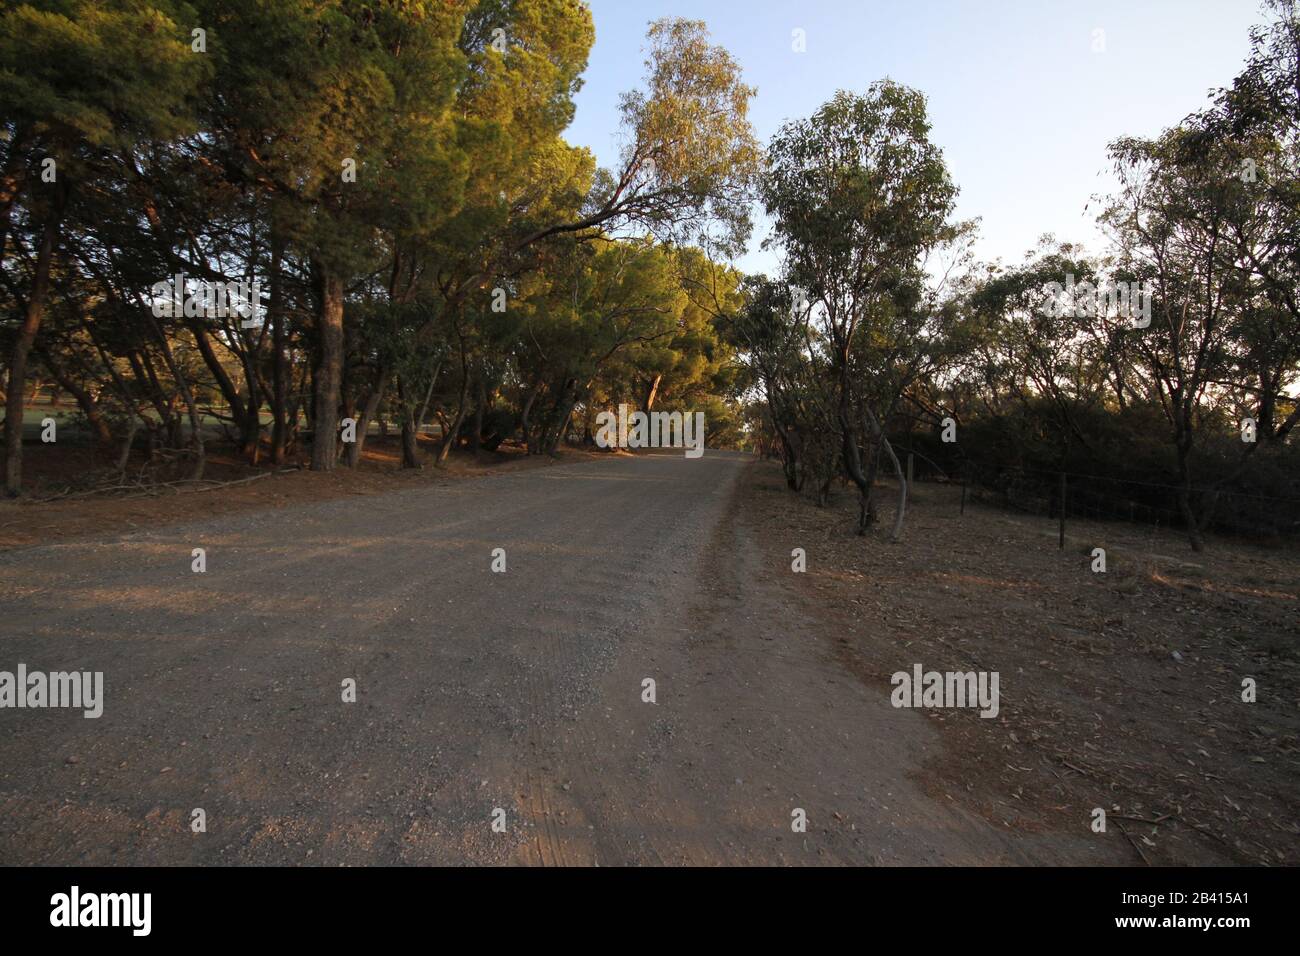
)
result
[(85, 401), (32, 316), (125, 457), (480, 404), (453, 430), (562, 429), (229, 391), (299, 406), (852, 456), (789, 457), (902, 490), (652, 393), (558, 426), (428, 396), (329, 369), (1185, 500), (279, 360), (851, 453), (250, 428), (1268, 389), (187, 395), (525, 414), (375, 396), (142, 369), (563, 412), (410, 443)]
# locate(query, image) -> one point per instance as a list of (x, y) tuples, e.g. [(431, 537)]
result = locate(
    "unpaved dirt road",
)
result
[(476, 690)]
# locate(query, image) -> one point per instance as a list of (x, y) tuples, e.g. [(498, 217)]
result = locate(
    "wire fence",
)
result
[(1060, 496)]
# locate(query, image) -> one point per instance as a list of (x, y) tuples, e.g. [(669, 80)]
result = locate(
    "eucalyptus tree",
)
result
[(696, 360), (688, 168), (1211, 211), (768, 336), (1171, 217), (581, 318), (1033, 344), (690, 160), (1253, 126), (859, 196)]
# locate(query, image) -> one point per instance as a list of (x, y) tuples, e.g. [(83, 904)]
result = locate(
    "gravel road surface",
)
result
[(512, 698)]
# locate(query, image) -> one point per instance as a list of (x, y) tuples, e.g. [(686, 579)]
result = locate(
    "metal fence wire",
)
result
[(1056, 494)]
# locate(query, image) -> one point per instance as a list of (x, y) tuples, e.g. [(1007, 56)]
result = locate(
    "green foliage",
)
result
[(489, 272)]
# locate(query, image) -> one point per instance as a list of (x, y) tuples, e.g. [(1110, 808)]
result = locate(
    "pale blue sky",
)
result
[(1019, 102)]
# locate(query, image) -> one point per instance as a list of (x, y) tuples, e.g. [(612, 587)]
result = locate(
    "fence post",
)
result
[(1062, 507), (963, 495)]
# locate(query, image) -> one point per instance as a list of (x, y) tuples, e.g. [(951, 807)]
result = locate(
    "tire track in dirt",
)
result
[(475, 690)]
